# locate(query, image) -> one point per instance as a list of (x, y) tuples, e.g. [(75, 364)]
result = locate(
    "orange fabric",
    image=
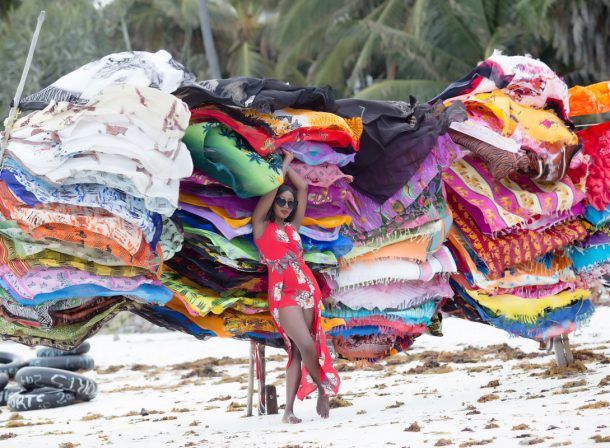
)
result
[(592, 99), (414, 249), (144, 258), (90, 219)]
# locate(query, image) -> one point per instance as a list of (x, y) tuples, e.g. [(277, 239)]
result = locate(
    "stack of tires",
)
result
[(47, 381)]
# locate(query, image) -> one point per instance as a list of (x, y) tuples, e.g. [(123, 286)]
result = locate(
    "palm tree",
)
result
[(582, 49), (441, 41)]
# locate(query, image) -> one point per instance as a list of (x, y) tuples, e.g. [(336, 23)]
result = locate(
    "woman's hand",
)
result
[(287, 158)]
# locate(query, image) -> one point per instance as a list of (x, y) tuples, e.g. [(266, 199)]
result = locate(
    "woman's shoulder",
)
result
[(264, 227)]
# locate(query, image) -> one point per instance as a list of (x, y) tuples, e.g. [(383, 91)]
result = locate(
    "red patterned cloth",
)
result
[(500, 254), (291, 283), (264, 143), (596, 142)]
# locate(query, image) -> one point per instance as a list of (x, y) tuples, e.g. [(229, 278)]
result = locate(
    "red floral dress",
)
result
[(291, 283)]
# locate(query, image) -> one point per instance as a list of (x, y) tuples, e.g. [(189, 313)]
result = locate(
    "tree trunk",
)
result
[(208, 40)]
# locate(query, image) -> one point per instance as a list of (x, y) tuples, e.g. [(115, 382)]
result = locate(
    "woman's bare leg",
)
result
[(293, 379), (323, 405), (292, 320)]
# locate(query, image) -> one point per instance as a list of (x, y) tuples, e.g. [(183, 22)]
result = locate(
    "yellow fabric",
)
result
[(306, 118), (200, 300), (518, 308), (540, 124), (330, 323), (233, 222), (208, 322)]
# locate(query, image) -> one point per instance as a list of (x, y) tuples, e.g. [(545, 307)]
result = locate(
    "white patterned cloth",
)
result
[(136, 68)]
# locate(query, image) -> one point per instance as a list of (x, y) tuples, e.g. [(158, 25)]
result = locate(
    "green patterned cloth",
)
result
[(64, 337), (227, 157)]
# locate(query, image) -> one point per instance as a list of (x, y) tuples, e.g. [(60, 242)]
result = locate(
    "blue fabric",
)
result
[(195, 221), (419, 315), (148, 293), (339, 247), (595, 217), (33, 191), (578, 312), (584, 258)]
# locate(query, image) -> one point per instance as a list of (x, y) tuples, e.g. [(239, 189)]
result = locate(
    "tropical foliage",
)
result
[(376, 49)]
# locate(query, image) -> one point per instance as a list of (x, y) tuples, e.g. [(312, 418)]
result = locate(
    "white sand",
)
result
[(385, 400)]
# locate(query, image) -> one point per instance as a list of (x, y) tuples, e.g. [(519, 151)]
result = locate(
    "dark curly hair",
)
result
[(283, 188)]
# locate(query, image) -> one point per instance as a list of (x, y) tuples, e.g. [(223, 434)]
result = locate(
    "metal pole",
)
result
[(208, 40), (26, 69)]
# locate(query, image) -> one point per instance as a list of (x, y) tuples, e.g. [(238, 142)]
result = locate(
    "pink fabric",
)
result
[(40, 281), (323, 175), (401, 295)]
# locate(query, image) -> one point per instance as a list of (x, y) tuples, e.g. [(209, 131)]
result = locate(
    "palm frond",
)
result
[(443, 28), (438, 63), (391, 10), (422, 89), (246, 61)]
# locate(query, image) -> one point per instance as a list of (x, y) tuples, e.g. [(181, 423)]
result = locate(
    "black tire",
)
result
[(68, 362), (3, 380), (83, 388), (10, 363), (6, 393), (46, 352), (43, 398)]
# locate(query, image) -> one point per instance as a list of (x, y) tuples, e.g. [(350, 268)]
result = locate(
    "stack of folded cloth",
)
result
[(389, 287), (88, 183), (591, 258), (516, 207), (373, 171), (218, 282), (117, 195)]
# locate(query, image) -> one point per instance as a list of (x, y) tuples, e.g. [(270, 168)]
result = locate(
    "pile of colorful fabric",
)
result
[(218, 281), (87, 186), (113, 150), (591, 257), (398, 218), (517, 199), (390, 286)]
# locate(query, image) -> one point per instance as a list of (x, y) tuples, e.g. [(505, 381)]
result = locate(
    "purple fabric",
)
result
[(224, 228), (597, 239), (444, 153), (200, 178), (316, 153)]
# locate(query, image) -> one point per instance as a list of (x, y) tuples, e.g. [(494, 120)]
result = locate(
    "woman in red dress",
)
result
[(294, 295)]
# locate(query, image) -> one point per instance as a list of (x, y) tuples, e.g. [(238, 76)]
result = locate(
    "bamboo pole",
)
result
[(8, 123)]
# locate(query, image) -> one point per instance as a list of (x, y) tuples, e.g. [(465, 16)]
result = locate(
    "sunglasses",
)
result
[(283, 203)]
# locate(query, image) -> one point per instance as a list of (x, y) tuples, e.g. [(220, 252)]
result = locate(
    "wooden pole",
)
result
[(251, 379), (8, 124), (262, 378)]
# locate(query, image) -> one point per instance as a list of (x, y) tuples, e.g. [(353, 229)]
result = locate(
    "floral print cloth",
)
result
[(291, 283)]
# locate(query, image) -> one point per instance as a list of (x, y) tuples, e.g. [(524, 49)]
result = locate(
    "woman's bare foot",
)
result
[(323, 406), (289, 417)]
